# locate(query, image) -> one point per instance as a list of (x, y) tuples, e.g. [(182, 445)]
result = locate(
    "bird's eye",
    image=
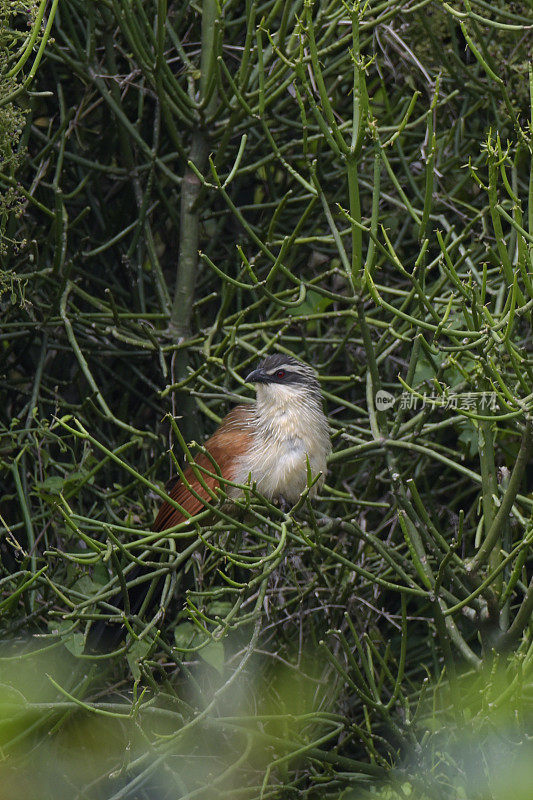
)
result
[(280, 373)]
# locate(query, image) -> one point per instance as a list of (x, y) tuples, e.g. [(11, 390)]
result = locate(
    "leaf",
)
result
[(469, 438), (213, 654), (52, 485), (314, 303), (187, 635), (424, 368), (100, 574), (72, 639), (87, 586), (137, 652), (219, 608), (184, 634), (12, 702)]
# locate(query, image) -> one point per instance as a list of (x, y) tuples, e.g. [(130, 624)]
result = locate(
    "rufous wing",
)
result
[(226, 446)]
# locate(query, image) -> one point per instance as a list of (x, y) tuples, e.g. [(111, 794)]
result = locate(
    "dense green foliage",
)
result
[(186, 187)]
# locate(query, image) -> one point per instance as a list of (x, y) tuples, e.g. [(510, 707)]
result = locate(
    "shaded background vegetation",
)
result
[(186, 187)]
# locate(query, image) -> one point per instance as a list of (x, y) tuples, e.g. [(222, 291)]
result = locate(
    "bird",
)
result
[(272, 443), (269, 443)]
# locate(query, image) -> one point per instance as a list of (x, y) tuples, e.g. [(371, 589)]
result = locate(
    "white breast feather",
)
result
[(290, 427)]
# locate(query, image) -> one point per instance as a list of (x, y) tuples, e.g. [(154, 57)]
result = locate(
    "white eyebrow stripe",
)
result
[(286, 367), (294, 369)]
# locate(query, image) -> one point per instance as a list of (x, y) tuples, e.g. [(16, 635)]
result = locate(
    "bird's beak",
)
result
[(257, 376)]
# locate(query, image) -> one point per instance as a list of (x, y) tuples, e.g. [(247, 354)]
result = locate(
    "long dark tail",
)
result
[(138, 601)]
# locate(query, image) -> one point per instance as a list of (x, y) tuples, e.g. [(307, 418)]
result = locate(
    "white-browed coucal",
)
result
[(269, 442)]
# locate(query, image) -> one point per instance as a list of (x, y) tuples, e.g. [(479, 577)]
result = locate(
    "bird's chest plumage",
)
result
[(286, 436)]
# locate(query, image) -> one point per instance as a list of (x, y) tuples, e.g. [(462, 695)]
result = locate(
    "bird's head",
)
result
[(280, 378)]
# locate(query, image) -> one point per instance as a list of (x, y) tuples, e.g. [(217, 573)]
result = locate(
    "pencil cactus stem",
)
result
[(191, 187)]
